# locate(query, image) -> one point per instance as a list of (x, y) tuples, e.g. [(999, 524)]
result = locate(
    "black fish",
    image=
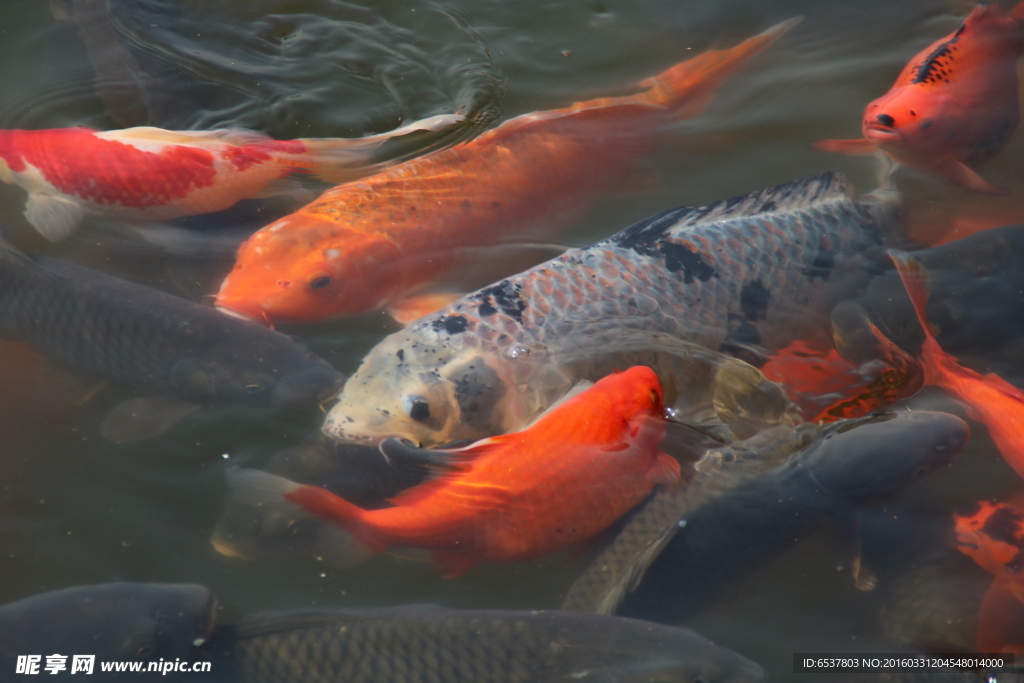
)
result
[(144, 338), (406, 644), (726, 539), (113, 621)]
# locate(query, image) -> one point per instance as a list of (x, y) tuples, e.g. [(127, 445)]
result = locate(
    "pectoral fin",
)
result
[(54, 217), (957, 173), (413, 308), (861, 147), (451, 565), (144, 418), (664, 470)]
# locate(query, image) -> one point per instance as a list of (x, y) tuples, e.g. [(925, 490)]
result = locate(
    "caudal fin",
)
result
[(340, 160), (258, 488), (687, 88)]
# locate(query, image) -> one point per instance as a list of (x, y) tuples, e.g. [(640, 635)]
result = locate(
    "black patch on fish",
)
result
[(823, 263), (754, 300), (452, 324), (969, 510), (477, 391), (1004, 525), (504, 295), (650, 238), (401, 354), (934, 66), (742, 340)]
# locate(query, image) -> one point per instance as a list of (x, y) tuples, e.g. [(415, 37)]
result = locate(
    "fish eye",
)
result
[(320, 282), (253, 389), (417, 408), (145, 650)]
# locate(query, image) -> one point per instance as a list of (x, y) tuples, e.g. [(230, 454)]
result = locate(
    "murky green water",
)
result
[(75, 509)]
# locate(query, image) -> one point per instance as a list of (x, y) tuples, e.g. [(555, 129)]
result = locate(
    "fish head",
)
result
[(256, 366), (297, 274), (916, 120), (864, 459), (427, 393), (992, 534), (138, 621)]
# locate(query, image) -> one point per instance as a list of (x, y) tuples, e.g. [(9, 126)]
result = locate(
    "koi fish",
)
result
[(386, 239), (673, 292), (141, 621), (954, 106), (466, 646), (992, 534), (514, 497), (987, 398), (141, 337), (754, 499), (151, 174)]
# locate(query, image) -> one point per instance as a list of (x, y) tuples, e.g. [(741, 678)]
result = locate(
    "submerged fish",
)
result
[(988, 398), (136, 621), (151, 174), (992, 534), (419, 643), (518, 496), (670, 291), (384, 239), (144, 338), (619, 566), (954, 106), (725, 538)]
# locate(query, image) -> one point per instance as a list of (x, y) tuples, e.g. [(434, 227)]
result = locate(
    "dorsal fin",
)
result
[(795, 196)]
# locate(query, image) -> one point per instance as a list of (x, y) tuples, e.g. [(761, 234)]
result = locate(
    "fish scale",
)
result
[(145, 338), (425, 644), (752, 272)]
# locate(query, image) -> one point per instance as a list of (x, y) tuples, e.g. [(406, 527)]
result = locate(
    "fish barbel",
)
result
[(402, 233), (421, 643), (670, 292)]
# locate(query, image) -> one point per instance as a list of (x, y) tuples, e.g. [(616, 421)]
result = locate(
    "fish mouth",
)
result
[(250, 313), (878, 131)]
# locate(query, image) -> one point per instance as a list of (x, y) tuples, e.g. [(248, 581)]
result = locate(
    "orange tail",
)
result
[(687, 88), (322, 503), (915, 280)]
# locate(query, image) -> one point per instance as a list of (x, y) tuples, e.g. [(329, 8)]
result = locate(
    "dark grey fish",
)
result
[(144, 338), (114, 621), (407, 644), (672, 292), (729, 537), (976, 303), (621, 563), (356, 473)]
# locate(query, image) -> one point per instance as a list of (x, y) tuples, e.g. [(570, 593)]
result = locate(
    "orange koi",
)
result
[(515, 497), (954, 106), (992, 534), (369, 244), (826, 387), (988, 398), (151, 174)]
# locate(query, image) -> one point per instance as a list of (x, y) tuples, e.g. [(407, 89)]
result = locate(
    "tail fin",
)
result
[(1018, 12), (339, 160), (915, 280), (687, 88), (258, 488)]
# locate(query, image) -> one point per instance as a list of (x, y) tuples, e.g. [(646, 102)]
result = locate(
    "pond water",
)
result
[(76, 509)]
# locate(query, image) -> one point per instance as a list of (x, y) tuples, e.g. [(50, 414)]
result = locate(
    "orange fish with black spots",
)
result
[(988, 398), (954, 106), (384, 240), (515, 497), (992, 534)]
